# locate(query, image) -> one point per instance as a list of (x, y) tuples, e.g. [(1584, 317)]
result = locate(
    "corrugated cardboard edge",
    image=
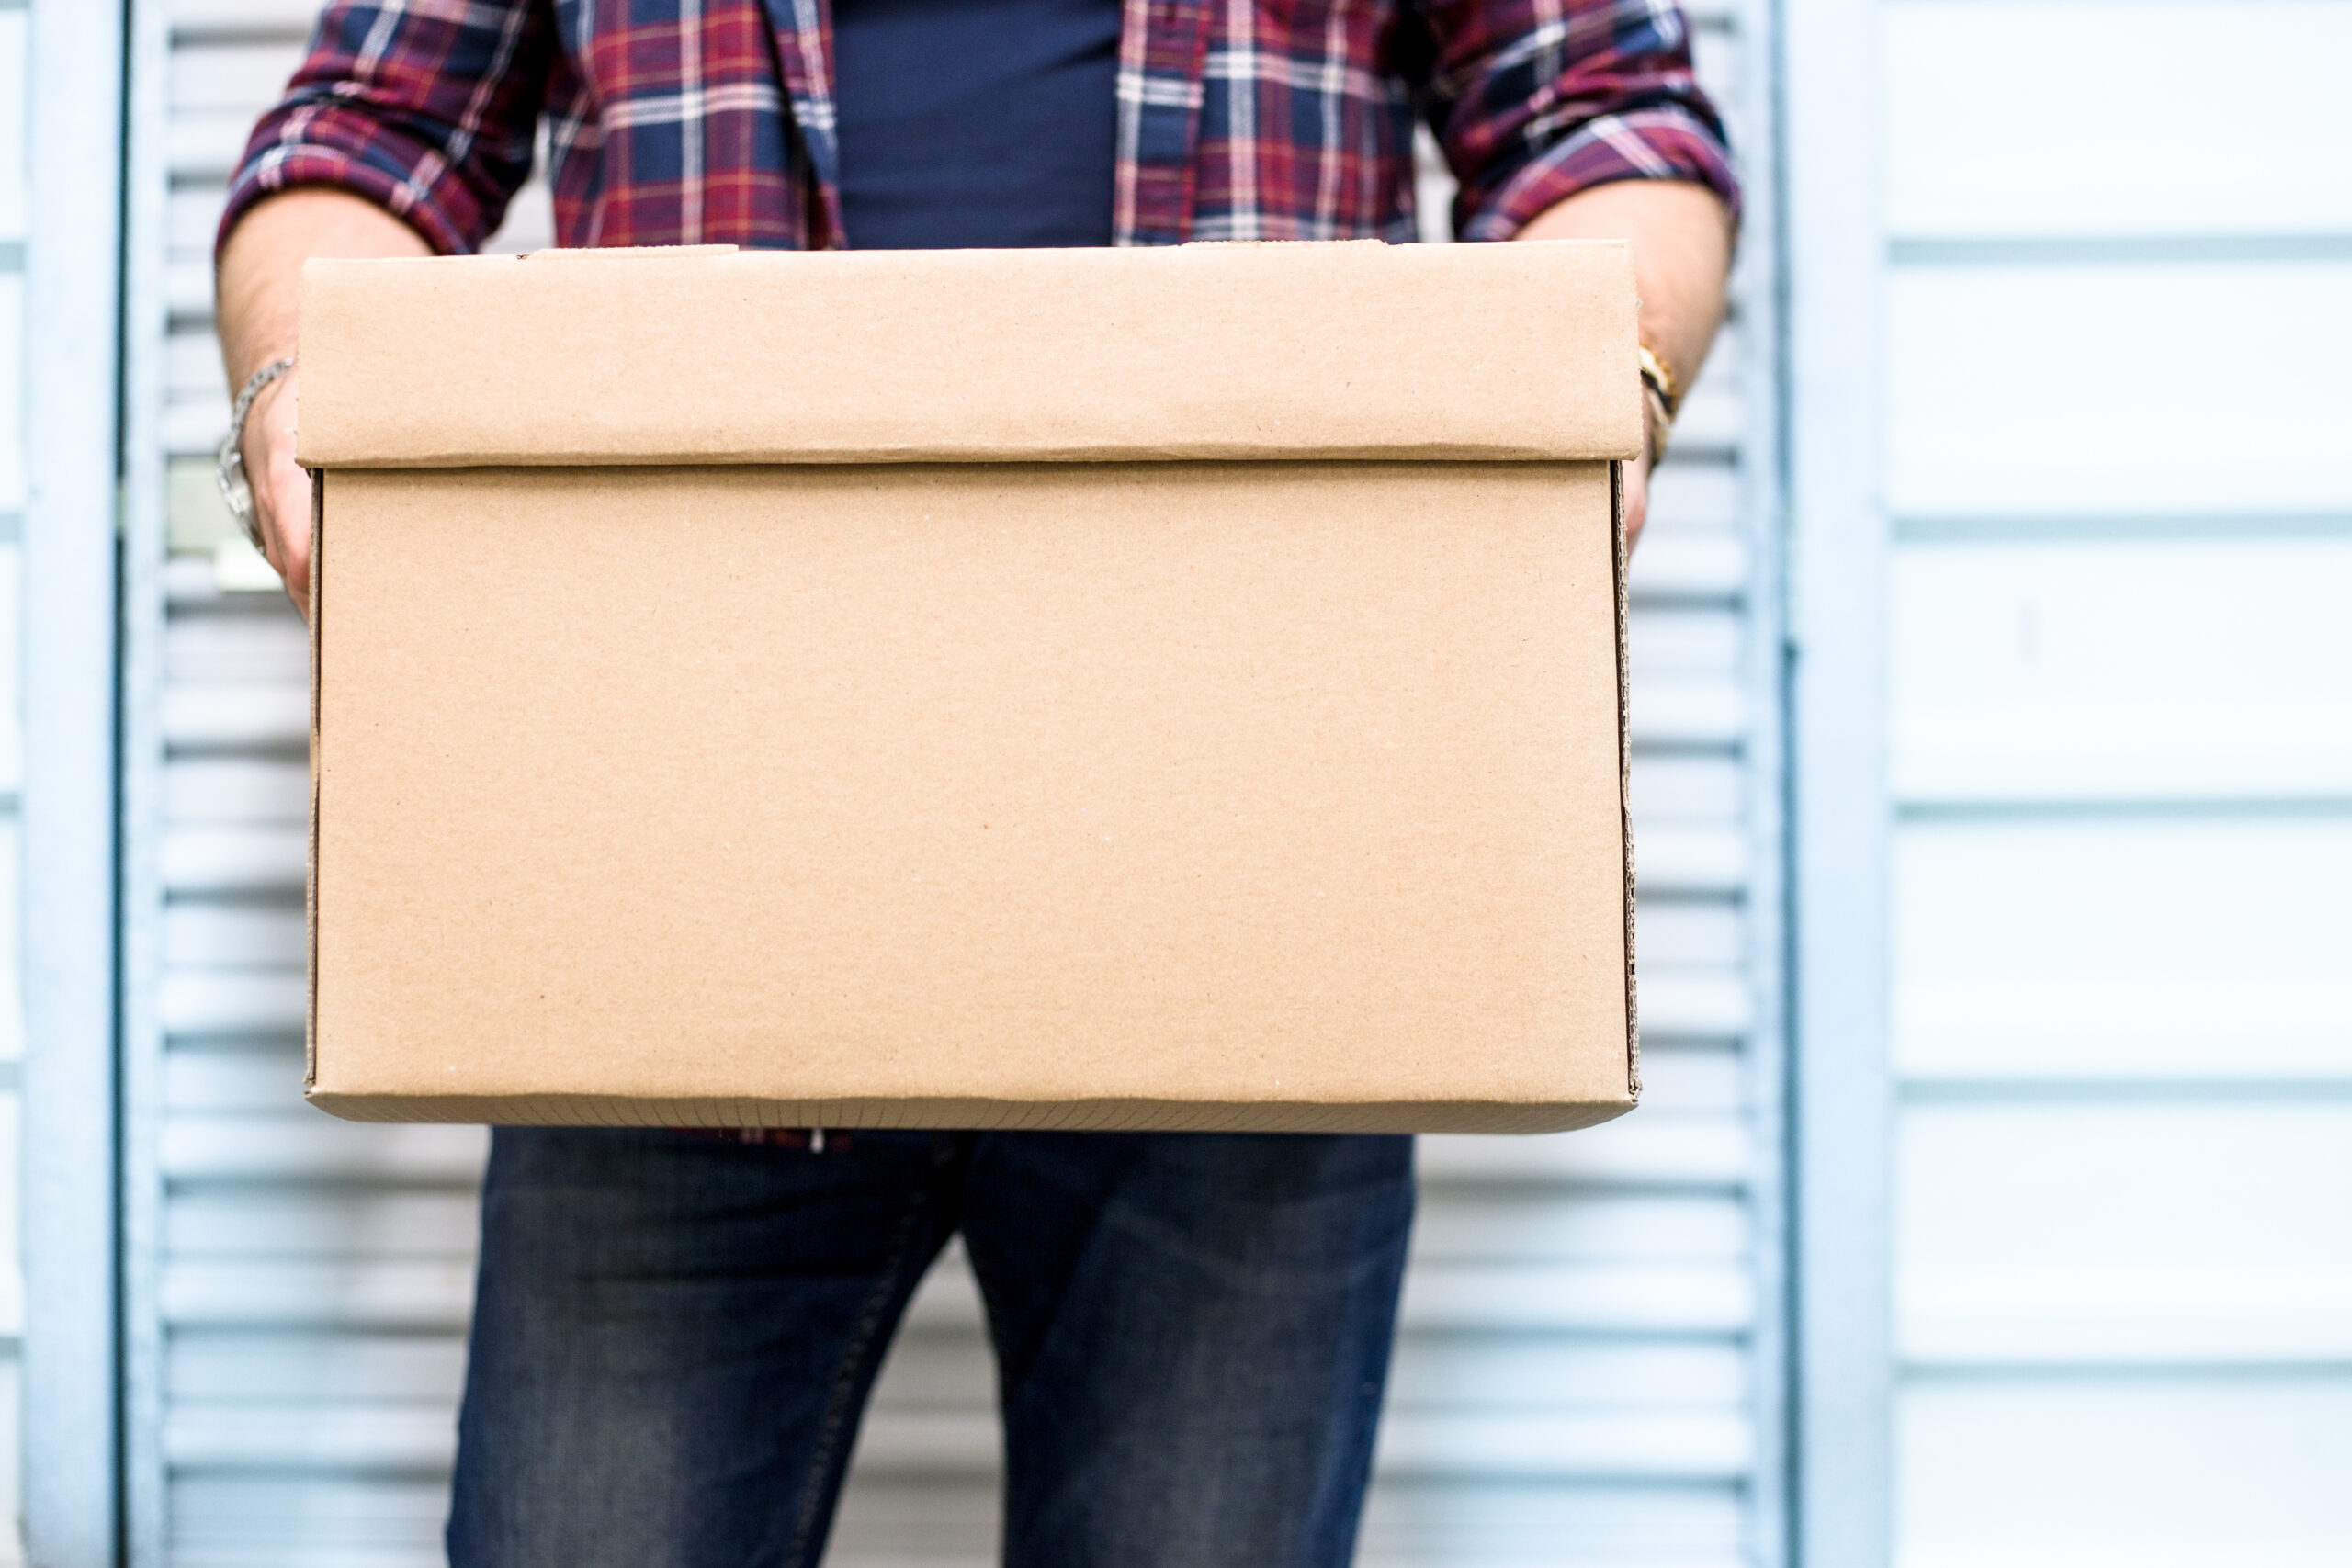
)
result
[(995, 1115), (311, 868), (1625, 779)]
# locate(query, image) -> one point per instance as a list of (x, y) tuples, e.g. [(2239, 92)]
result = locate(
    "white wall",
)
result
[(12, 498), (2116, 463)]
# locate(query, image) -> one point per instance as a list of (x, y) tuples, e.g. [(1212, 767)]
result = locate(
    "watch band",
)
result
[(229, 472)]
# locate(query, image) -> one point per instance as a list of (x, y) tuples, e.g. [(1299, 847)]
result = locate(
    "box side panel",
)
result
[(311, 859), (1619, 558), (1243, 784)]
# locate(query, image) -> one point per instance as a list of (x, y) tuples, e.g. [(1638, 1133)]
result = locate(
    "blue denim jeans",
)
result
[(674, 1336)]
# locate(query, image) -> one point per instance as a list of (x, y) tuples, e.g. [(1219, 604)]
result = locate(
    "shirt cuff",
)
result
[(293, 149), (1642, 145)]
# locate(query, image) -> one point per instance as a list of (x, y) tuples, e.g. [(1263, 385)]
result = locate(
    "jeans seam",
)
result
[(838, 1406)]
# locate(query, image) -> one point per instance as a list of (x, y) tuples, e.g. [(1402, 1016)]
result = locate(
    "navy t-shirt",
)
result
[(970, 123)]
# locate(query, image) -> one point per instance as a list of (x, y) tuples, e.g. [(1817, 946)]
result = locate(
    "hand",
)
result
[(1637, 484), (281, 489)]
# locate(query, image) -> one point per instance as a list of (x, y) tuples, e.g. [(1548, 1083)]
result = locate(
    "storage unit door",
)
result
[(2122, 748), (1590, 1367)]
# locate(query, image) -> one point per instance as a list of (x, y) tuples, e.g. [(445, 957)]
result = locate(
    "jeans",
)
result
[(675, 1336)]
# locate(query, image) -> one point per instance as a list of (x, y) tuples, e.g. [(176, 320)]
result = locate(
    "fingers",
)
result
[(281, 489), (285, 529), (1638, 501)]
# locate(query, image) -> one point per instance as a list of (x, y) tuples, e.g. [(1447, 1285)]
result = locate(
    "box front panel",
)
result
[(1165, 782)]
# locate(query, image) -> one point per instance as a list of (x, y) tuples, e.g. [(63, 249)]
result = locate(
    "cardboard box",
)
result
[(1104, 689)]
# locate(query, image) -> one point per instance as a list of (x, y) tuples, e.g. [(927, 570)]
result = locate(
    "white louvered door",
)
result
[(1590, 1368)]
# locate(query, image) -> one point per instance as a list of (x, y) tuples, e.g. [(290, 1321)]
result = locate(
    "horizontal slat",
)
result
[(12, 456), (1665, 1446), (1651, 1298), (405, 1295), (1687, 790), (192, 366), (1674, 563), (292, 1368), (194, 19), (2155, 670), (216, 714), (2194, 415), (1986, 139), (12, 137), (205, 143), (233, 1001), (2167, 1471), (2142, 949), (271, 647), (354, 1437), (1650, 1147), (234, 936), (235, 860), (2119, 1231), (222, 1223), (238, 790), (192, 427), (1665, 643), (1443, 1371), (1502, 1524), (1699, 497), (306, 1145), (239, 77), (2100, 1315)]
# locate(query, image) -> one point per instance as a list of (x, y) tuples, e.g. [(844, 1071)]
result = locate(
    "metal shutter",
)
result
[(1592, 1363), (13, 48), (2121, 677)]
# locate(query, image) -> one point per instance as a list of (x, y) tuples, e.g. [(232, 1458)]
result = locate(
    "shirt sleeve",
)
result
[(427, 109), (1534, 101)]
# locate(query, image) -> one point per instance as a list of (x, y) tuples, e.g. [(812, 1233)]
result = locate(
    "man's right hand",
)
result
[(261, 265), (281, 489)]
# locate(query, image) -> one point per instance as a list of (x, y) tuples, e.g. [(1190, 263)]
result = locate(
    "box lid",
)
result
[(707, 354)]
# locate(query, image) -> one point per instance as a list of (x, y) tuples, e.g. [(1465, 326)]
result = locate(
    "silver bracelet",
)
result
[(235, 489)]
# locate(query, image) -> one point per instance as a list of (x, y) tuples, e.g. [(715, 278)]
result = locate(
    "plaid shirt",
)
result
[(693, 121)]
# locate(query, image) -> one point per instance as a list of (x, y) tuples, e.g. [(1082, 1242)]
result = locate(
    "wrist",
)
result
[(262, 431), (240, 480)]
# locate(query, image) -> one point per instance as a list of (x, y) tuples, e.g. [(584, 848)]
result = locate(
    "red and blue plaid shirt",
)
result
[(693, 121)]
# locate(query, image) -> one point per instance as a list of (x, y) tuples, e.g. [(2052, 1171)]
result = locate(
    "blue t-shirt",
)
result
[(970, 123)]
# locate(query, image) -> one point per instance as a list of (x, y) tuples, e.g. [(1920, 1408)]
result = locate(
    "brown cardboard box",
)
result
[(1169, 689)]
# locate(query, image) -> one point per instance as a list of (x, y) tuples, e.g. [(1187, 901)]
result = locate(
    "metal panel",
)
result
[(1589, 1371), (2122, 1265), (2131, 669), (2083, 1471), (73, 240), (2085, 134), (2106, 974), (2195, 415), (1839, 550)]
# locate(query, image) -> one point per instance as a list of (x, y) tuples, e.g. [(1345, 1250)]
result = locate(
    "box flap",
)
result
[(1207, 351)]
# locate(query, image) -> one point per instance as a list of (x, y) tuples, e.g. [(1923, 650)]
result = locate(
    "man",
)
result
[(674, 1333)]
